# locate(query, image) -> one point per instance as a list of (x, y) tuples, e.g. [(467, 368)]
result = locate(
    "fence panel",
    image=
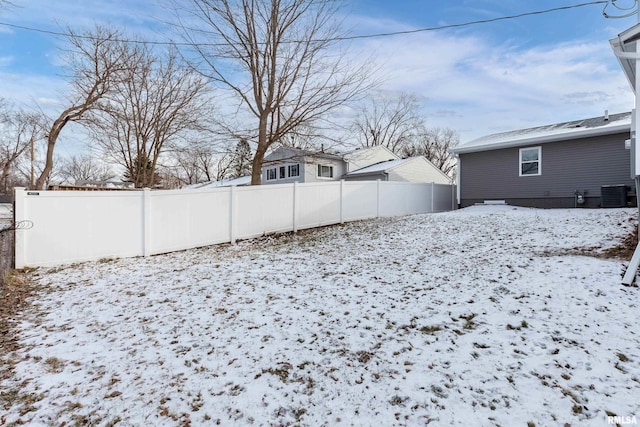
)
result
[(443, 198), (360, 200), (188, 219), (263, 210), (318, 204), (71, 226), (402, 198)]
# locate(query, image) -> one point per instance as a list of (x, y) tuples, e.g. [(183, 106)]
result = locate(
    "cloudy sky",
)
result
[(476, 79)]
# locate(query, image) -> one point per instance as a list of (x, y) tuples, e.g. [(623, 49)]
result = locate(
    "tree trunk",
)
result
[(256, 167), (5, 175), (263, 144), (48, 166)]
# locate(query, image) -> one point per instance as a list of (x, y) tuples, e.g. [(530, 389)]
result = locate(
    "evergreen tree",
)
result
[(242, 158)]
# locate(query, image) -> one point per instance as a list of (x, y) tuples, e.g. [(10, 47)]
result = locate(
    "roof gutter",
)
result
[(625, 52)]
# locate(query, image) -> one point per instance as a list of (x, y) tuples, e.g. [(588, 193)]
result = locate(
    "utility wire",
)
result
[(356, 37), (482, 21)]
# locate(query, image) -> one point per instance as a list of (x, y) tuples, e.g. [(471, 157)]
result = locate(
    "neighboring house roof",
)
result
[(288, 153), (358, 151), (383, 168), (380, 167), (597, 126), (363, 157), (243, 180)]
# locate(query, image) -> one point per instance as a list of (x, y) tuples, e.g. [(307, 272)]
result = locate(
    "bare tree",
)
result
[(305, 137), (27, 167), (84, 168), (158, 102), (194, 164), (276, 57), (391, 121), (435, 145), (19, 130), (96, 62), (224, 166), (199, 162)]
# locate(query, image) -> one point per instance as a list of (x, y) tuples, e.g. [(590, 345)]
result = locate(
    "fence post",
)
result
[(19, 215), (232, 214), (146, 222), (295, 207), (433, 197), (453, 197), (342, 201), (378, 198)]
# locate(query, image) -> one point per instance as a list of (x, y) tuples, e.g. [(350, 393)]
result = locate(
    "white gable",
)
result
[(364, 157)]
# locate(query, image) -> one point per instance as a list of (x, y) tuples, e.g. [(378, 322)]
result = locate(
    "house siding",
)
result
[(580, 165), (311, 170), (368, 156), (308, 164), (415, 171)]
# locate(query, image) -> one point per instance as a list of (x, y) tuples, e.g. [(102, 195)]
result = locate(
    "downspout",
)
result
[(458, 174)]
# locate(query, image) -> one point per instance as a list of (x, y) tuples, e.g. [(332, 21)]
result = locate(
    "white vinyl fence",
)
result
[(74, 226)]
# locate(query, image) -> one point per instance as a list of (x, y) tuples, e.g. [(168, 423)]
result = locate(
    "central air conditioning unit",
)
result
[(613, 196)]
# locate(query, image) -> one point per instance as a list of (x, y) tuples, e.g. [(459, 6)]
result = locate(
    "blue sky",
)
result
[(477, 79)]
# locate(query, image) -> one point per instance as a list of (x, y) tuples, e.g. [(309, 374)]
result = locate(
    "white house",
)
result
[(363, 157), (412, 169), (285, 165)]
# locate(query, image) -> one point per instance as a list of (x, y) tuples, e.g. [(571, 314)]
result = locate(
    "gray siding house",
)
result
[(286, 165), (584, 163)]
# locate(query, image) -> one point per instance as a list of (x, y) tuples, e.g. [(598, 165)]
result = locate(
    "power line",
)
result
[(482, 21), (345, 38)]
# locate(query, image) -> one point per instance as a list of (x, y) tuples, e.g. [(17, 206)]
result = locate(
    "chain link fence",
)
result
[(6, 251), (7, 236)]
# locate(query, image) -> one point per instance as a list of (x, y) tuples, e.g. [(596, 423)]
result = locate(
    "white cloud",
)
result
[(477, 88), (26, 89), (467, 82), (6, 60)]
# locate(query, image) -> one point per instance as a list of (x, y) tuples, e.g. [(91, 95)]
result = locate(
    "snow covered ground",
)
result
[(485, 316)]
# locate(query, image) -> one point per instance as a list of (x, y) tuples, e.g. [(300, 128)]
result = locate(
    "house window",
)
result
[(294, 170), (283, 173), (325, 171), (271, 174), (530, 161)]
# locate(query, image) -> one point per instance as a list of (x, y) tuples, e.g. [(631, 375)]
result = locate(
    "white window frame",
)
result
[(289, 174), (275, 174), (319, 171), (521, 162)]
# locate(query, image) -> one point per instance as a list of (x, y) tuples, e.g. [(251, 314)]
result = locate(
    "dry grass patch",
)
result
[(14, 298)]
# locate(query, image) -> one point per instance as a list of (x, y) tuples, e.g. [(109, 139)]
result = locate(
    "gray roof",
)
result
[(577, 129), (299, 153)]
